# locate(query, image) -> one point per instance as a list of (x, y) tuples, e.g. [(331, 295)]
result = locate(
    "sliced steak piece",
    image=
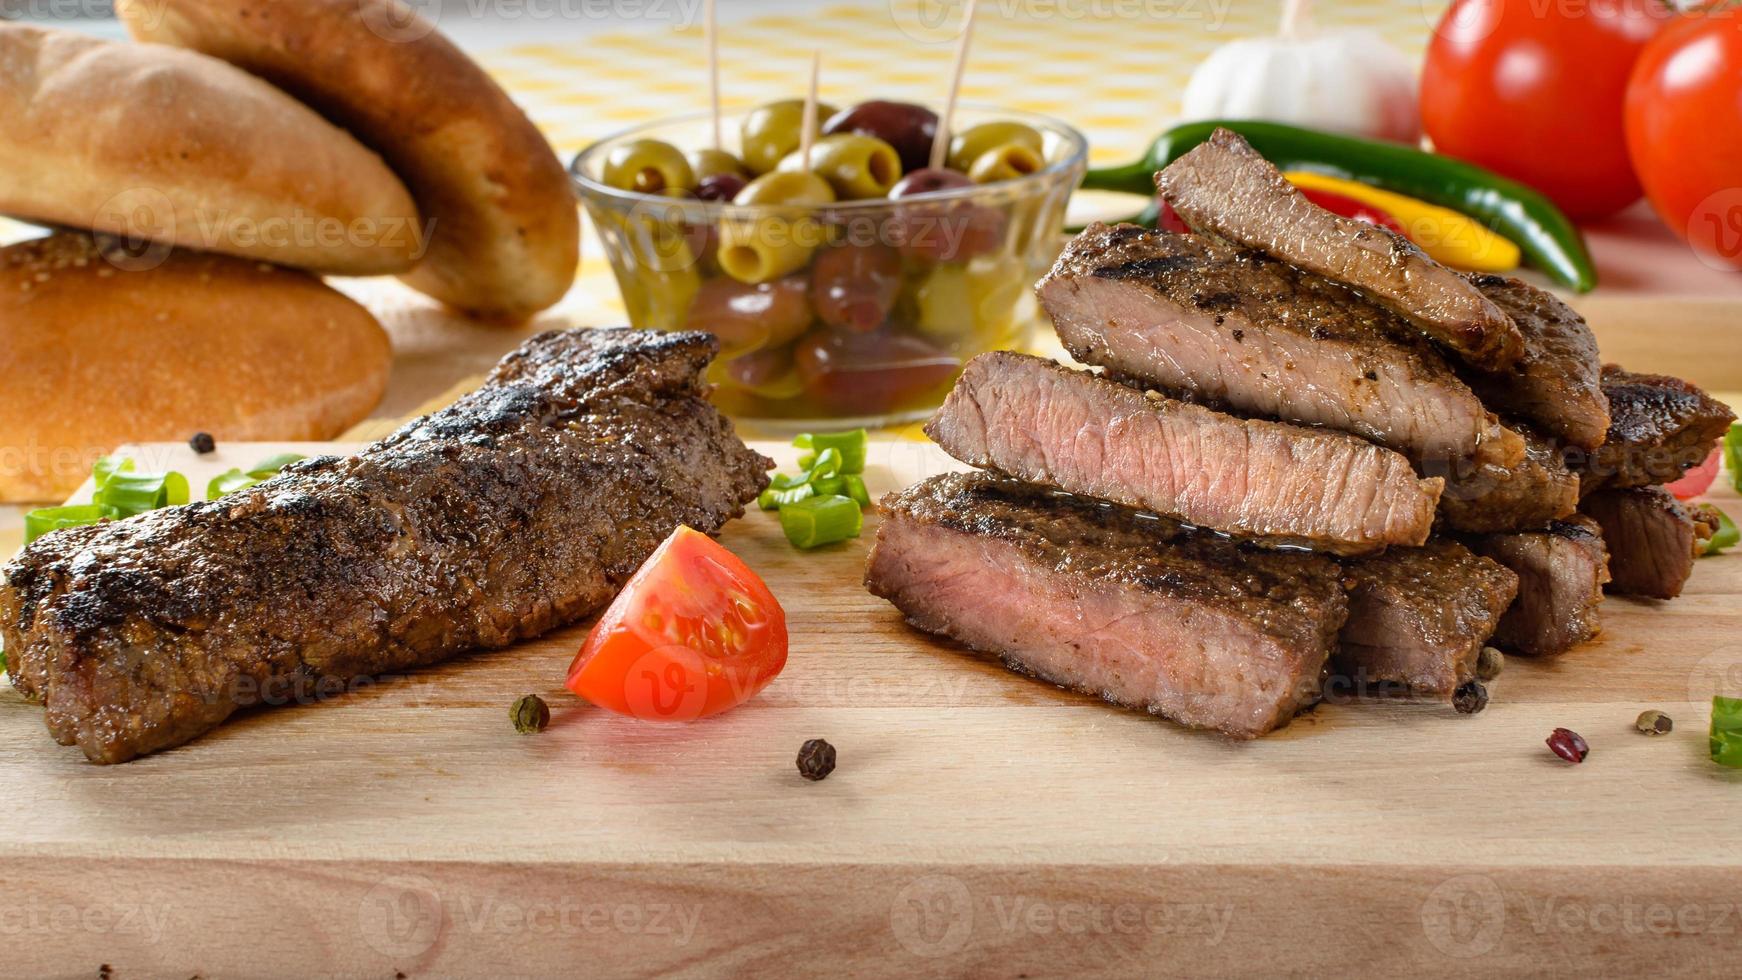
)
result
[(1483, 497), (1135, 609), (1556, 383), (1561, 574), (1418, 618), (1658, 427), (522, 508), (1223, 187), (1038, 420), (1652, 539), (1234, 328)]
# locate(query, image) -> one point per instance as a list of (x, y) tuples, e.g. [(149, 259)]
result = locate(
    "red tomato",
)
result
[(1699, 479), (1535, 91), (693, 633), (1684, 127)]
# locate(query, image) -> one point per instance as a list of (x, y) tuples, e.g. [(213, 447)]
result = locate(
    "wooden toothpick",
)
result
[(711, 28), (808, 131), (1294, 15), (940, 143)]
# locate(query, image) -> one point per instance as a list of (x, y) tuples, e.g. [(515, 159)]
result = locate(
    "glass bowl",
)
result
[(856, 312)]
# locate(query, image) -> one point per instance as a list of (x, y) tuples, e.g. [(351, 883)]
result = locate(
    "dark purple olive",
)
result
[(720, 187), (853, 287), (926, 180), (907, 127)]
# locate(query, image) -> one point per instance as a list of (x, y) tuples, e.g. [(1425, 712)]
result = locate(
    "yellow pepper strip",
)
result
[(1455, 239)]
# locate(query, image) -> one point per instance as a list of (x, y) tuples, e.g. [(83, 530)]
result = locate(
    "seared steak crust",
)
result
[(1556, 383), (1527, 496), (1234, 328), (1659, 426), (1652, 540), (1225, 188), (1038, 420), (1561, 574), (1139, 610), (521, 508), (1418, 617)]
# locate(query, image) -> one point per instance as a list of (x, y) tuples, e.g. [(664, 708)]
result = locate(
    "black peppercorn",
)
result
[(816, 759), (1470, 697), (1568, 745), (203, 443)]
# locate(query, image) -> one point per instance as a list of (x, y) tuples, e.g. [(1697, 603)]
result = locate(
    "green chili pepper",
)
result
[(1547, 238)]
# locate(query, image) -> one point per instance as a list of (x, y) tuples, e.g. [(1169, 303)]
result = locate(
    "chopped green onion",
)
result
[(830, 486), (40, 522), (126, 494), (1726, 731), (856, 489), (230, 482), (772, 499), (108, 466), (1733, 454), (806, 461), (850, 444), (1726, 536), (826, 464), (269, 467), (816, 521)]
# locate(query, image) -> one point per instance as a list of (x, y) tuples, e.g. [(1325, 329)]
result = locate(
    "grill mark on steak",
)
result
[(521, 508), (1659, 427), (1419, 617), (1138, 610), (1556, 382), (1040, 421), (1561, 574), (1225, 188), (1234, 328), (1652, 540), (1487, 498)]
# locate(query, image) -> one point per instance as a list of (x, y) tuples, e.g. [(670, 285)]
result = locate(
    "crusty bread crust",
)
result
[(152, 142), (506, 229), (101, 347)]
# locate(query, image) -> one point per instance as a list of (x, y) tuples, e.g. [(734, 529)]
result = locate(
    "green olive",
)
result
[(980, 298), (1006, 161), (791, 188), (967, 145), (648, 167), (772, 131), (708, 163), (856, 166), (660, 276)]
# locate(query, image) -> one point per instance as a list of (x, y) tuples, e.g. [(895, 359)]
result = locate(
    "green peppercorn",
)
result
[(1654, 722), (1489, 663), (530, 714)]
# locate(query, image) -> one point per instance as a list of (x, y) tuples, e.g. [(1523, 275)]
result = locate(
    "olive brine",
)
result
[(828, 307)]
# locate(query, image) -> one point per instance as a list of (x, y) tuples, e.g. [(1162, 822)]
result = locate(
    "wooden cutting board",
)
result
[(978, 823)]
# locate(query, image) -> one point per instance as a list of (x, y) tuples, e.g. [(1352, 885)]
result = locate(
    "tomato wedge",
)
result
[(1699, 479), (695, 632)]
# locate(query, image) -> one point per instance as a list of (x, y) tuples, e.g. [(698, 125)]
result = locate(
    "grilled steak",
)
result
[(1561, 573), (1418, 617), (1555, 383), (1652, 539), (1658, 427), (1038, 420), (1225, 188), (1484, 497), (1132, 608), (521, 508), (1234, 328)]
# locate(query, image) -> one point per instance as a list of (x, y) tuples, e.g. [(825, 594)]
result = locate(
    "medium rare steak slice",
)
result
[(1483, 497), (1134, 609), (1418, 618), (522, 508), (1556, 383), (1038, 420), (1658, 427), (1225, 188), (1561, 573), (1234, 328), (1652, 539)]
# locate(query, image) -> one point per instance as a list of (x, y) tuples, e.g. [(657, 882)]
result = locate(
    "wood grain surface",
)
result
[(979, 823)]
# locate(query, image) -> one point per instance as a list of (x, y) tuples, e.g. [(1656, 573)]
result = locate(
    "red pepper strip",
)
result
[(1331, 201)]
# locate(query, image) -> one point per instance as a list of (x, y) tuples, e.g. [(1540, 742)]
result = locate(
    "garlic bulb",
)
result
[(1347, 81)]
